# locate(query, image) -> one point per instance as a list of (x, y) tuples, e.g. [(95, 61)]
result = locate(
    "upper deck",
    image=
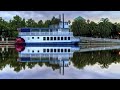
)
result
[(44, 31), (52, 28), (55, 30)]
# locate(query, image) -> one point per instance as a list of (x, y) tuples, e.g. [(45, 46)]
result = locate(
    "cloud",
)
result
[(114, 16), (88, 72)]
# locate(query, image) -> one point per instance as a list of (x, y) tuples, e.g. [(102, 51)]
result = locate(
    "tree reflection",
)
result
[(79, 60), (103, 58), (9, 58)]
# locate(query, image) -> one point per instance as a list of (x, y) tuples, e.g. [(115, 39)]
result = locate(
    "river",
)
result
[(82, 62)]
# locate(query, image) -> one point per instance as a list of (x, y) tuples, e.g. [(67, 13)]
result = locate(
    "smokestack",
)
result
[(63, 20)]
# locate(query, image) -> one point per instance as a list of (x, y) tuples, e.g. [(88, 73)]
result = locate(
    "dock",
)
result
[(83, 41), (7, 42), (99, 40)]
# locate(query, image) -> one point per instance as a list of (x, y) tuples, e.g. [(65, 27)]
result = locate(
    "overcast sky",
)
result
[(114, 16), (44, 72)]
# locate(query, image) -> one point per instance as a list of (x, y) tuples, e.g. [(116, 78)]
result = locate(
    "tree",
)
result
[(47, 23), (93, 29), (79, 27), (31, 23), (17, 22), (23, 23), (105, 27), (55, 21), (40, 24)]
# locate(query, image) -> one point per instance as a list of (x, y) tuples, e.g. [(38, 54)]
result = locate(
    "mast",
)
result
[(63, 67), (63, 20)]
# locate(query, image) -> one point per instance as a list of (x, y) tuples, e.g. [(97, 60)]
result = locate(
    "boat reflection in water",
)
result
[(55, 55)]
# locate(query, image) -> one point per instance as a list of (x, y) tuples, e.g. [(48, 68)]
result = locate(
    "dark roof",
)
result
[(28, 29), (79, 18)]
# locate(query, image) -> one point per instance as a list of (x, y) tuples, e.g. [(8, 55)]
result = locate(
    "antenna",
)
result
[(60, 69), (63, 20), (63, 67)]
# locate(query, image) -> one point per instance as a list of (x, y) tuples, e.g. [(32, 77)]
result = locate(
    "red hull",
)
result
[(19, 40), (20, 44)]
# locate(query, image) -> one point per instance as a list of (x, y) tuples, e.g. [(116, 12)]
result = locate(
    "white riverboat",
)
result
[(54, 55), (59, 34)]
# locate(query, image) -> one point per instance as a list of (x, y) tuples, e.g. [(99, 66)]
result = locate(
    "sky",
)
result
[(88, 72), (114, 16)]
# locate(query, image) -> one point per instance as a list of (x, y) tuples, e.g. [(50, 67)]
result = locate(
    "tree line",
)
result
[(102, 58), (79, 60), (103, 29), (80, 27), (9, 28)]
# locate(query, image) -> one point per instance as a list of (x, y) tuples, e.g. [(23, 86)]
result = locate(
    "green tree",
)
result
[(55, 21), (31, 23), (93, 29), (17, 22), (47, 23), (105, 27), (40, 24), (79, 27)]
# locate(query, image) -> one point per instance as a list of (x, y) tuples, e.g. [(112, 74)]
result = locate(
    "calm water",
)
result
[(89, 62)]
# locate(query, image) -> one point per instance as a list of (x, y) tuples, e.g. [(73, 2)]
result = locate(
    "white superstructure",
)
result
[(59, 34)]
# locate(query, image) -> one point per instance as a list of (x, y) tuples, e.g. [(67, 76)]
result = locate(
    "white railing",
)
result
[(99, 39), (46, 55), (46, 33), (75, 39)]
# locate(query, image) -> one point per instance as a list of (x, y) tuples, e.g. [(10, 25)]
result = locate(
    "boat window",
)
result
[(47, 50), (68, 50), (32, 37), (50, 30), (68, 38), (54, 50), (58, 38), (38, 50), (65, 38), (28, 50), (65, 50), (51, 50), (47, 38), (44, 38), (61, 38), (44, 50), (51, 38), (58, 50), (54, 38), (35, 30), (24, 30), (61, 50), (32, 50), (44, 30), (38, 37)]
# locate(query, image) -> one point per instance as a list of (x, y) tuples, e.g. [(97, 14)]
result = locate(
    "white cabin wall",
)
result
[(65, 25), (29, 39), (41, 49)]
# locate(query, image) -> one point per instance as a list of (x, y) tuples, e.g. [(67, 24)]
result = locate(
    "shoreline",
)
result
[(7, 42), (92, 43), (97, 43)]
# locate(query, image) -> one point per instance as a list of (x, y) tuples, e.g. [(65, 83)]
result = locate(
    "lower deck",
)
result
[(50, 39), (51, 43)]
